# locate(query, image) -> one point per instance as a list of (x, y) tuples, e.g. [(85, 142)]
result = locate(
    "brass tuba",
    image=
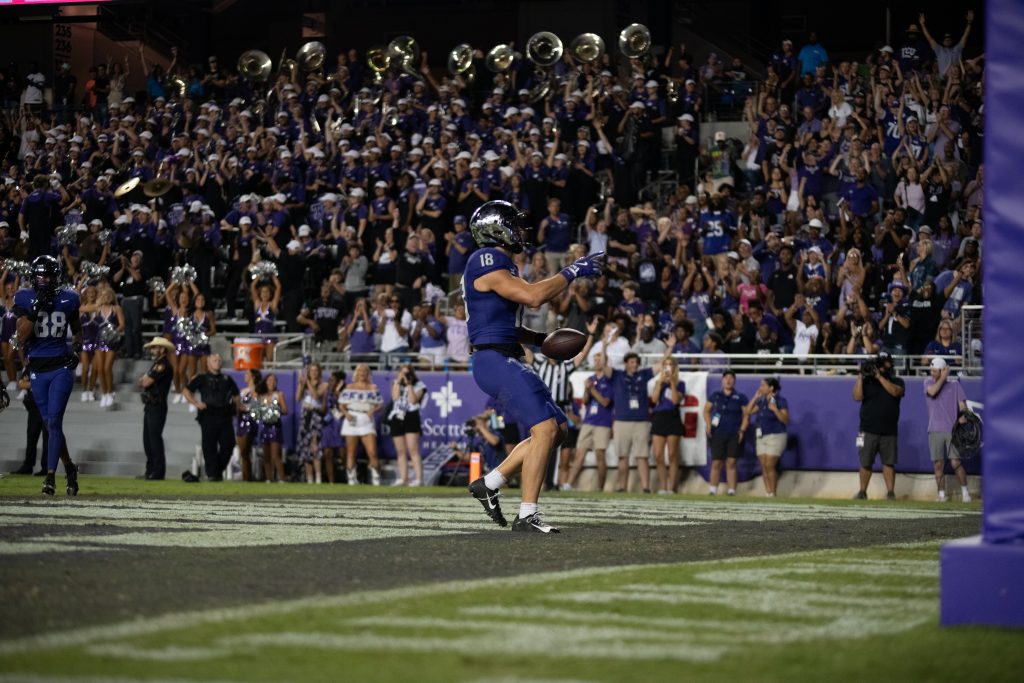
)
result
[(403, 54), (177, 86), (499, 58), (544, 49), (635, 41), (254, 65), (587, 48), (311, 56), (460, 62)]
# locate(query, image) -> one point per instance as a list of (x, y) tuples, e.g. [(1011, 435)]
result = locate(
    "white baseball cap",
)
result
[(938, 363), (305, 231)]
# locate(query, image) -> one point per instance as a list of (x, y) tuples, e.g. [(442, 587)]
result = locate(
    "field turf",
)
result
[(166, 581)]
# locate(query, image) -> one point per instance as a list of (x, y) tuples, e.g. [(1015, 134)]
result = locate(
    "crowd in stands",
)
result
[(849, 220)]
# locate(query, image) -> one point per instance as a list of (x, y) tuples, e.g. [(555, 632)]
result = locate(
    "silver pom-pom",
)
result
[(14, 342), (266, 413), (105, 236), (109, 335), (196, 337), (67, 234), (93, 271), (19, 268), (183, 275), (156, 285), (264, 270)]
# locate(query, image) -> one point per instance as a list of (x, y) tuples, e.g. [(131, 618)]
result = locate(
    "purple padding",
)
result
[(981, 578), (981, 583)]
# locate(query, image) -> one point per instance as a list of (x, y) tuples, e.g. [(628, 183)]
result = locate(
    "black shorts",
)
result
[(410, 424), (511, 433), (666, 423), (570, 438), (725, 446)]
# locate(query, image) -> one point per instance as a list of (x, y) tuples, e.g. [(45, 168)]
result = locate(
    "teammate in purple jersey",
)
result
[(45, 314), (494, 294)]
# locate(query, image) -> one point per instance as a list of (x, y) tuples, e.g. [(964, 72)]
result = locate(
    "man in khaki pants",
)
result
[(632, 426)]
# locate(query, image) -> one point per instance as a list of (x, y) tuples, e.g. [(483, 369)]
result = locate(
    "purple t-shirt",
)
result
[(944, 409), (595, 413), (665, 400)]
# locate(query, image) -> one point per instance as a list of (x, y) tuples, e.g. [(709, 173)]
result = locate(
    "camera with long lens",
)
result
[(868, 367)]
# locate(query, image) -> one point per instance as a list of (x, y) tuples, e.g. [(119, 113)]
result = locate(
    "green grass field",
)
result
[(865, 614), (477, 604)]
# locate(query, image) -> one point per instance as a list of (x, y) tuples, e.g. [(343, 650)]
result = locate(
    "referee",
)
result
[(555, 375)]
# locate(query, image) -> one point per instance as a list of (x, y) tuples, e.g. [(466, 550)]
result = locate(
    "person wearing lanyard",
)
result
[(725, 421), (773, 417), (632, 425), (596, 431)]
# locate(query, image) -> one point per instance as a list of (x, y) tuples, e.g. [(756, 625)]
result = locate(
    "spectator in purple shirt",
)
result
[(946, 402)]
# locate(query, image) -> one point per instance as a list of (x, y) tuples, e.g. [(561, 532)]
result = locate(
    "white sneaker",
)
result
[(664, 492), (398, 482), (941, 498), (375, 477), (85, 396), (191, 408), (21, 395), (90, 396), (12, 386), (965, 497), (415, 482), (351, 477), (318, 480), (731, 492)]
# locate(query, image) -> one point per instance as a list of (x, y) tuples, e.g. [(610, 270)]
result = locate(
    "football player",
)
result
[(45, 313)]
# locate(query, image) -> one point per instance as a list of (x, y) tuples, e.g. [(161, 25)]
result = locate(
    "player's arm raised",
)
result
[(506, 285)]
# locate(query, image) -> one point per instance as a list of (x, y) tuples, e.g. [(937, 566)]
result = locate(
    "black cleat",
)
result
[(71, 471), (49, 485), (535, 524), (489, 499)]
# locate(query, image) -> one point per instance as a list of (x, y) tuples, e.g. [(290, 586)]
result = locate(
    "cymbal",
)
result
[(126, 187), (157, 187)]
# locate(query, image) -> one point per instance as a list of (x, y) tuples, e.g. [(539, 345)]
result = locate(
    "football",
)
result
[(563, 343)]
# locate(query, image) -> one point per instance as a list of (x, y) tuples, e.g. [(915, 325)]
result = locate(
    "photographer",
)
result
[(879, 393), (480, 438), (407, 395)]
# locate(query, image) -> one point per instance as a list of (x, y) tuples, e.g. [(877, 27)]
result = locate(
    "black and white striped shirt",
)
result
[(556, 377)]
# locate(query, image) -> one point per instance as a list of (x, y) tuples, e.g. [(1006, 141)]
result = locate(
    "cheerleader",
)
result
[(310, 397), (266, 301), (358, 402), (8, 322), (331, 443), (667, 395), (246, 428), (178, 300), (206, 322), (90, 340), (107, 312), (271, 434)]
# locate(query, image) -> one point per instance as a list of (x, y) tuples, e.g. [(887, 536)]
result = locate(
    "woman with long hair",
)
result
[(309, 395), (271, 433), (407, 394), (358, 401), (108, 312), (773, 418), (266, 303), (185, 368), (246, 429), (205, 321), (667, 424), (90, 338), (8, 323), (331, 443)]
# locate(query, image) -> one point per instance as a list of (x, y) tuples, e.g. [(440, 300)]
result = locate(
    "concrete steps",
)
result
[(107, 441)]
